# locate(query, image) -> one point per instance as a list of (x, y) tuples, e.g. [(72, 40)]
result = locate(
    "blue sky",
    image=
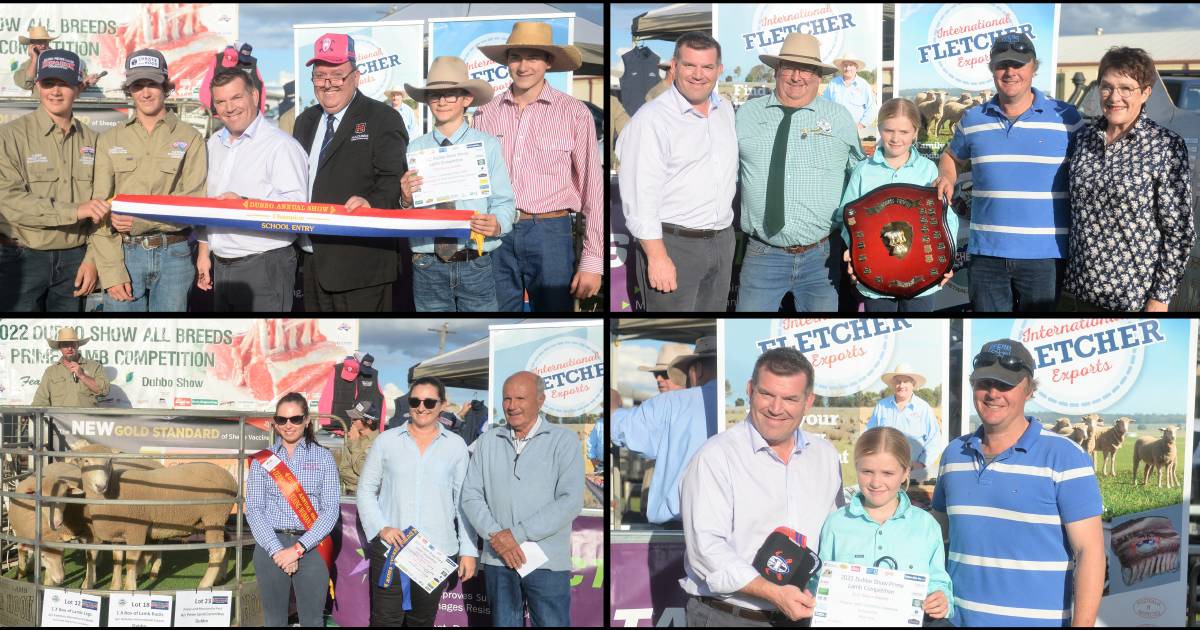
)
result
[(268, 26)]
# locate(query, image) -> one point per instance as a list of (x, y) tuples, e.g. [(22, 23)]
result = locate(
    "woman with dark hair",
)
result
[(292, 506), (413, 478), (1131, 200)]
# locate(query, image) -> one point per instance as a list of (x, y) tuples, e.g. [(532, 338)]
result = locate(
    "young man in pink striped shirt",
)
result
[(553, 159)]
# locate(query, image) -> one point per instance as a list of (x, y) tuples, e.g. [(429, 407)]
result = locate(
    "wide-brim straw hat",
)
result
[(450, 73), (36, 33), (803, 49), (903, 369), (667, 354), (837, 63), (66, 333), (538, 36), (705, 347)]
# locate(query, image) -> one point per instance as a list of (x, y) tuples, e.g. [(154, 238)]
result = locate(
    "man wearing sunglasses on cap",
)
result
[(1017, 145), (413, 478), (1019, 496)]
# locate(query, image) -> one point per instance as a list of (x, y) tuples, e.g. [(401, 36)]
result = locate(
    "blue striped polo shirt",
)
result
[(1010, 560), (1020, 205)]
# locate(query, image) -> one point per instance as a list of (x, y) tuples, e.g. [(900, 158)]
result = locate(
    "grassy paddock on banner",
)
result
[(1122, 497), (180, 570)]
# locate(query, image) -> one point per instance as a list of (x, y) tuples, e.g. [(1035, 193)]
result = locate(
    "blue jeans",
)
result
[(1014, 284), (768, 273), (547, 592), (160, 279), (34, 281), (899, 305), (538, 256), (457, 286)]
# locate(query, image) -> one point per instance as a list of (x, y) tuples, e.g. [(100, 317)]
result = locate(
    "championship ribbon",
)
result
[(294, 217), (298, 499), (390, 568)]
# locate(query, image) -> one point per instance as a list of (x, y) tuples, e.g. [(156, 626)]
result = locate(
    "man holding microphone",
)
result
[(75, 381)]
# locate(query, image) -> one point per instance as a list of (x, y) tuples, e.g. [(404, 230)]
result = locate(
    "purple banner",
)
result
[(648, 593), (466, 603), (623, 298)]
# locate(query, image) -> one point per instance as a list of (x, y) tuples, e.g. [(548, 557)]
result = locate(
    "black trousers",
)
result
[(387, 604), (376, 299)]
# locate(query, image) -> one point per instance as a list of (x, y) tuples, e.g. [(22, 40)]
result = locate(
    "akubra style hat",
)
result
[(705, 347), (36, 33), (667, 354), (838, 63), (66, 333), (538, 36), (903, 369), (803, 49), (450, 73)]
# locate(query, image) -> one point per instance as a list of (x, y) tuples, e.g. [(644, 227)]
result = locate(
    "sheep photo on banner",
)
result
[(941, 64), (1124, 390)]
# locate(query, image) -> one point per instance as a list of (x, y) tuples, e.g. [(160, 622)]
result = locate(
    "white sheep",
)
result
[(1109, 442), (1092, 423), (1062, 426), (931, 109), (61, 522), (953, 111), (137, 524), (1158, 454)]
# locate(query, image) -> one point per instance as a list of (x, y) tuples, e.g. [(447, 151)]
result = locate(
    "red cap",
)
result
[(349, 369), (333, 48)]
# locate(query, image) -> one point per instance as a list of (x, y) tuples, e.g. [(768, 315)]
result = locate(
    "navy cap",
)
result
[(365, 366), (60, 64), (1008, 362), (1012, 47)]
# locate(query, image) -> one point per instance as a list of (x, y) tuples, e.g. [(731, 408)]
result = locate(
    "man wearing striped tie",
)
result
[(1017, 145), (1023, 503)]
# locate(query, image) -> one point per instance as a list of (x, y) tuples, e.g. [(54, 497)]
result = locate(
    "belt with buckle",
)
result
[(553, 214), (794, 249), (462, 255), (738, 611), (152, 241), (293, 532), (669, 228), (230, 261)]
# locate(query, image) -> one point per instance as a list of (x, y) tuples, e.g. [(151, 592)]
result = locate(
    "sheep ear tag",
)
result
[(899, 245)]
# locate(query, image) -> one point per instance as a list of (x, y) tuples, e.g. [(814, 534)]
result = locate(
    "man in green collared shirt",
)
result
[(796, 150), (74, 381), (48, 217)]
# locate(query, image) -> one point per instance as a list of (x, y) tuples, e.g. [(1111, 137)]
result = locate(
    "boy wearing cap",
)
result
[(153, 153), (1019, 496), (355, 148), (554, 163), (48, 254), (1018, 147), (451, 274)]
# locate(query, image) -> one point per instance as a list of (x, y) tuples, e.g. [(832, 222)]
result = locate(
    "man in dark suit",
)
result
[(356, 149)]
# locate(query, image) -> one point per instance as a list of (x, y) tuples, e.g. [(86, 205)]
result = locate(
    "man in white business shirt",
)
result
[(679, 164), (250, 271), (743, 483)]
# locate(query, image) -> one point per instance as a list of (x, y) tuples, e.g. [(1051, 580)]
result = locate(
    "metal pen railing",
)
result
[(38, 453)]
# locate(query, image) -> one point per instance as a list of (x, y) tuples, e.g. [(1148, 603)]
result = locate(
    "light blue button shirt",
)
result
[(499, 203), (401, 487), (917, 422), (668, 428), (857, 98)]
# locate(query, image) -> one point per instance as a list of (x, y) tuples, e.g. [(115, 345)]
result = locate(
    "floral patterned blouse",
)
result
[(1131, 216)]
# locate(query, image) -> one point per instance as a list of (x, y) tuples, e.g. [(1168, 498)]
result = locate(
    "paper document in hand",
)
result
[(534, 558), (450, 173), (854, 596), (422, 562)]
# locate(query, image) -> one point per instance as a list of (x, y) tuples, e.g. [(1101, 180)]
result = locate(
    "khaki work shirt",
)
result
[(20, 77), (170, 161), (44, 176), (353, 459), (59, 389)]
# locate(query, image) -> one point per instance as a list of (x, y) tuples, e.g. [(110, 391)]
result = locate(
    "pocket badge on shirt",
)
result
[(87, 155)]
